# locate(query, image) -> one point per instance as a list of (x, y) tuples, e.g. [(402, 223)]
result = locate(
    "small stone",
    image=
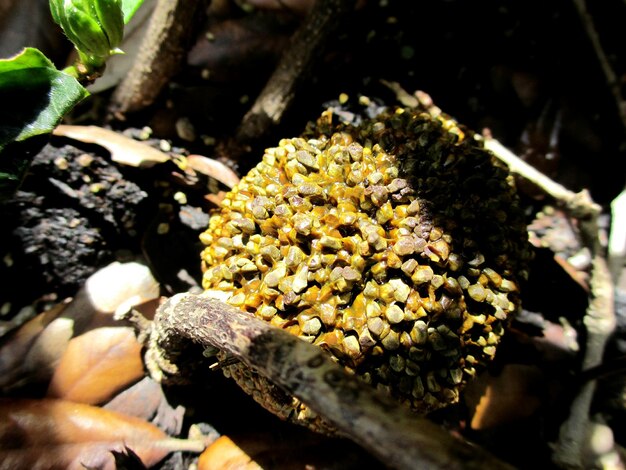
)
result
[(267, 312), (270, 253), (372, 309), (397, 363), (366, 340), (295, 256), (310, 189), (396, 185), (185, 129), (331, 243), (419, 332), (508, 286)]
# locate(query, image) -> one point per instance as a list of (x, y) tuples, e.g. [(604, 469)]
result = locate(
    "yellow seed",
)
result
[(376, 325), (300, 280), (422, 274), (477, 292), (394, 314), (351, 346), (400, 290)]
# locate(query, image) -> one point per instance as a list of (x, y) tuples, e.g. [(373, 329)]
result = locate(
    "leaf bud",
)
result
[(95, 27)]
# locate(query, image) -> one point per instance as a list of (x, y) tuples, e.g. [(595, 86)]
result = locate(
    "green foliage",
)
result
[(94, 26), (130, 7), (35, 95)]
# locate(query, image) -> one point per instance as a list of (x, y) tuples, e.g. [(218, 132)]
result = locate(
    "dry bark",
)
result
[(161, 55), (384, 428), (294, 69)]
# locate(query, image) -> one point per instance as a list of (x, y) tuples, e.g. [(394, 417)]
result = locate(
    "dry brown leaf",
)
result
[(119, 286), (146, 400), (517, 393), (97, 365), (60, 434), (15, 355), (225, 454), (284, 451), (123, 149), (31, 353), (214, 169), (215, 199)]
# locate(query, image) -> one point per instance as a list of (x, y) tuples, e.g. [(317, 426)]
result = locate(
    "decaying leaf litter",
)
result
[(526, 105)]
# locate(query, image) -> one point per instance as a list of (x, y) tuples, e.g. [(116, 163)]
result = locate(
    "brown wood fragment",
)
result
[(386, 429), (160, 56), (294, 69), (600, 322)]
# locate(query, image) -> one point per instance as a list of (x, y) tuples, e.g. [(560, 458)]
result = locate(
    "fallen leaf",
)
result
[(214, 169), (517, 393), (123, 149), (97, 365), (146, 400), (141, 400), (15, 349), (42, 357), (60, 434), (224, 453), (289, 450), (119, 286), (31, 353), (215, 199)]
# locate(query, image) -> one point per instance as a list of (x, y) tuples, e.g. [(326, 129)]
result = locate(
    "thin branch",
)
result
[(599, 319), (397, 437), (162, 52), (617, 237), (305, 49), (579, 204), (600, 323), (611, 77)]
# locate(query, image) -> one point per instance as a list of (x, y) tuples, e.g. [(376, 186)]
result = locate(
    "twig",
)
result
[(617, 237), (296, 63), (386, 429), (600, 323), (579, 204), (160, 56), (599, 319), (611, 77)]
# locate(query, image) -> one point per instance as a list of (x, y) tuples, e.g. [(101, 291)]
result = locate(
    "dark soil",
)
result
[(525, 70)]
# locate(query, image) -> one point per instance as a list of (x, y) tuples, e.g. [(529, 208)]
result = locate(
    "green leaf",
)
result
[(130, 7), (34, 96)]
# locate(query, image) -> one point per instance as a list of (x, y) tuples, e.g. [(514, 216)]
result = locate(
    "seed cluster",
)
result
[(396, 245)]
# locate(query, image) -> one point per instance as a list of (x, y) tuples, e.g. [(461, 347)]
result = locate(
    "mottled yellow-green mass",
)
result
[(396, 245)]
